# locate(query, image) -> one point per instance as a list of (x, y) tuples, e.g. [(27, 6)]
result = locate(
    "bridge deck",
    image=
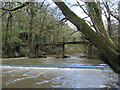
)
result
[(19, 44)]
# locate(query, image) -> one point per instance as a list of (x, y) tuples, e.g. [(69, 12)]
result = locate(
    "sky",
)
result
[(78, 11)]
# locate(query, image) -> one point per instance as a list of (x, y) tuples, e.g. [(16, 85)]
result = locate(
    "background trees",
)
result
[(32, 24)]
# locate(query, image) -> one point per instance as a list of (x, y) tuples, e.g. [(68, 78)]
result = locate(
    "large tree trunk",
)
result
[(106, 48)]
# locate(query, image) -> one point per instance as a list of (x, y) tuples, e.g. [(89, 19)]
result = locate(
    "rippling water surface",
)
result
[(56, 73)]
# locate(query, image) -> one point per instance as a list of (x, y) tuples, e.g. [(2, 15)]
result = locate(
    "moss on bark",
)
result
[(106, 47)]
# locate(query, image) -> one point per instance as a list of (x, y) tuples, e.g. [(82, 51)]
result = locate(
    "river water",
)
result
[(56, 73)]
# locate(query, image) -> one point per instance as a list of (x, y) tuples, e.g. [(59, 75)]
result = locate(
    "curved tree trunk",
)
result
[(107, 50)]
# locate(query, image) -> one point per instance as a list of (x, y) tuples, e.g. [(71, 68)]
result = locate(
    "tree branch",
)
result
[(109, 12), (116, 17), (82, 8), (13, 9), (3, 14)]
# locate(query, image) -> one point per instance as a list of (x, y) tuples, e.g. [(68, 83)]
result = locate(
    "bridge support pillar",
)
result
[(89, 51)]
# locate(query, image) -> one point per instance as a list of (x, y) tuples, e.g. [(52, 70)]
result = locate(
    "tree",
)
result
[(99, 38), (33, 28)]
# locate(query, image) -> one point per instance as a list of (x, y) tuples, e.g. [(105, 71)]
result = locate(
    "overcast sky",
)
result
[(78, 11)]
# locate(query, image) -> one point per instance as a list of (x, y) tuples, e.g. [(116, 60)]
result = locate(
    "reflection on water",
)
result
[(28, 73), (52, 61)]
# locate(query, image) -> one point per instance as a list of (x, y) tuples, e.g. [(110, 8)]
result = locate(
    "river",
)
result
[(52, 72)]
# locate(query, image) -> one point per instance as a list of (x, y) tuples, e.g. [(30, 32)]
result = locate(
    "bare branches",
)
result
[(105, 13), (42, 4), (115, 16), (13, 9), (3, 14), (82, 8), (110, 12), (63, 20)]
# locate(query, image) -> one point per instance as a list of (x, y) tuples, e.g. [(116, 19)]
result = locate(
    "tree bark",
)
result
[(109, 53)]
